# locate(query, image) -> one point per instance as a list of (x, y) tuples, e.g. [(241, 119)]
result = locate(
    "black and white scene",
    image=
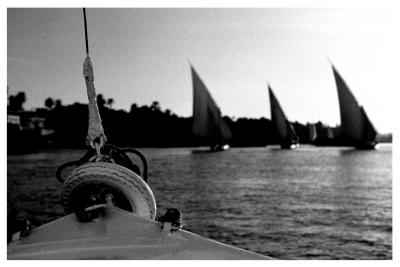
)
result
[(200, 133)]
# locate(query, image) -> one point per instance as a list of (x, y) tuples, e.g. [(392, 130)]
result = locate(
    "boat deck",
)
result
[(120, 235)]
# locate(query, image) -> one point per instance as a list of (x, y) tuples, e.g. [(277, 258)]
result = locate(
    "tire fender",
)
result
[(115, 176)]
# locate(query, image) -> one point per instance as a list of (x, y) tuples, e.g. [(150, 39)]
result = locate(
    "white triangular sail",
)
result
[(312, 132), (286, 132), (207, 120)]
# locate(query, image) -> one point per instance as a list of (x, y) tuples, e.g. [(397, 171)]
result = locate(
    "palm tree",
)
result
[(49, 103), (16, 102), (155, 105), (110, 102), (100, 100), (58, 103)]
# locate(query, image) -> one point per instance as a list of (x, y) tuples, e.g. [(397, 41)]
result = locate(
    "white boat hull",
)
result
[(119, 235)]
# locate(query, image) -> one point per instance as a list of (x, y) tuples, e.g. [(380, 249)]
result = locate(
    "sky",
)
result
[(142, 55)]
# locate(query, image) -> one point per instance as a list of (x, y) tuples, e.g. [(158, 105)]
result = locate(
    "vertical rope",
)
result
[(86, 35)]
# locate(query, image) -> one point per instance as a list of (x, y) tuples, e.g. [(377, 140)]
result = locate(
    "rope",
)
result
[(95, 135), (86, 35), (99, 151), (142, 158), (79, 162), (109, 153)]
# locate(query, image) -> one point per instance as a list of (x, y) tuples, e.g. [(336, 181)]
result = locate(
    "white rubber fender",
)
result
[(134, 188)]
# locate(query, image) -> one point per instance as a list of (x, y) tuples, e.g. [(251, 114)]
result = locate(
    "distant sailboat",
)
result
[(207, 120), (312, 132), (287, 136), (355, 124)]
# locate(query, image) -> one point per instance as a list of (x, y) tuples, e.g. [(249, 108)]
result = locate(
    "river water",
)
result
[(309, 203)]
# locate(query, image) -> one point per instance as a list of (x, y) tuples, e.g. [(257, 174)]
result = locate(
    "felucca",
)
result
[(355, 125), (288, 138), (208, 123)]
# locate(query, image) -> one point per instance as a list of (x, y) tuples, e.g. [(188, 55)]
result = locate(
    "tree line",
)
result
[(142, 126)]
